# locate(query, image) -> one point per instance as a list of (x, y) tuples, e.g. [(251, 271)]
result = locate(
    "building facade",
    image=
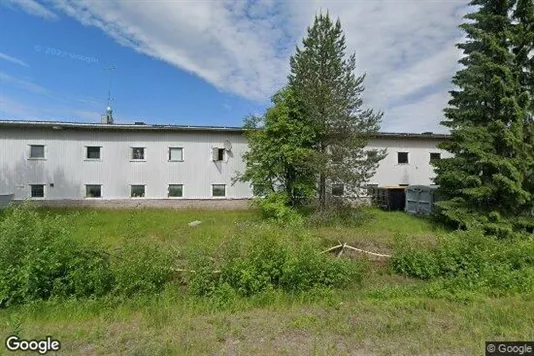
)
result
[(131, 164)]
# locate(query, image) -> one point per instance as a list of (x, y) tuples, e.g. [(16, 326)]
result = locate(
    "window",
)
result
[(337, 190), (218, 154), (93, 191), (37, 151), (402, 157), (37, 190), (138, 153), (176, 190), (176, 154), (137, 191), (218, 190), (435, 156), (93, 152)]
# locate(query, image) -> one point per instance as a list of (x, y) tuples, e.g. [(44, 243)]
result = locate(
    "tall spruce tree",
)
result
[(328, 94), (485, 182), (523, 17)]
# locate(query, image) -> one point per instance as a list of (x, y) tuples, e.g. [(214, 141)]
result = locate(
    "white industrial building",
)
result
[(128, 164)]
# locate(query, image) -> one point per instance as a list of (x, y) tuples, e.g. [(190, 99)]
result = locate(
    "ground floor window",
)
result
[(137, 191), (93, 191), (176, 190), (37, 190), (338, 190), (218, 190)]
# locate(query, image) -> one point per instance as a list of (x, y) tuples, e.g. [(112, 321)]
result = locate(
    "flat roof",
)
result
[(58, 125)]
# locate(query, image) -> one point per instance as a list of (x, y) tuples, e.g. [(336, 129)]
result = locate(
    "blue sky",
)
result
[(214, 62)]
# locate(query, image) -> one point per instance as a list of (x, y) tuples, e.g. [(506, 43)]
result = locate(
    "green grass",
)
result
[(384, 316)]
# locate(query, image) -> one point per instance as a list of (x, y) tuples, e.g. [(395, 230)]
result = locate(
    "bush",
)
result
[(471, 260), (39, 261), (339, 213), (140, 268), (272, 262), (276, 207)]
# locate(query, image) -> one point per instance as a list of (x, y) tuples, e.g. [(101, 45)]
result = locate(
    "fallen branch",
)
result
[(190, 270), (344, 245)]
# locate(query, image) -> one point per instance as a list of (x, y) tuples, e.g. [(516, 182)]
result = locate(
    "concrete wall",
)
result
[(65, 170)]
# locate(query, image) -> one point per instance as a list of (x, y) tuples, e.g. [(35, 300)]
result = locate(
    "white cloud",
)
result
[(24, 84), (12, 59), (32, 7), (241, 47)]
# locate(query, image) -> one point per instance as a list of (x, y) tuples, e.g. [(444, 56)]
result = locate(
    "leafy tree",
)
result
[(280, 156), (328, 95), (485, 182)]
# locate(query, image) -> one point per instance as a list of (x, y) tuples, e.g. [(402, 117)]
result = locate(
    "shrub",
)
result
[(141, 268), (39, 261), (339, 213), (276, 207), (471, 260), (270, 263)]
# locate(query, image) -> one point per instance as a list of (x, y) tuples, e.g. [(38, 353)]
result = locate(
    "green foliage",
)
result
[(276, 207), (141, 268), (280, 155), (340, 214), (270, 263), (39, 260), (470, 260), (488, 181)]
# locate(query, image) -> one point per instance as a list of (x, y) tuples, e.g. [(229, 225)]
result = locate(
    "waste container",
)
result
[(420, 199)]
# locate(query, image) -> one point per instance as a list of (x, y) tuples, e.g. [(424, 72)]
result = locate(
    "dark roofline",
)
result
[(154, 127)]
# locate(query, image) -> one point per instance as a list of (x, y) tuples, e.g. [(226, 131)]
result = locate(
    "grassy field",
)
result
[(386, 315)]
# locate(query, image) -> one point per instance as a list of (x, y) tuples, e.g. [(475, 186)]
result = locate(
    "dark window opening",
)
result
[(402, 157), (37, 151), (337, 190), (37, 190), (93, 191), (93, 152), (176, 190), (218, 190), (434, 156), (138, 153), (137, 191)]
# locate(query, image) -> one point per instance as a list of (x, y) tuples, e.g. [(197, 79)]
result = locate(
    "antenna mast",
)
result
[(108, 117)]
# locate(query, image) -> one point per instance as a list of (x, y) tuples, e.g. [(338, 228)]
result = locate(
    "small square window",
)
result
[(434, 156), (402, 157), (218, 154), (37, 190), (93, 191), (138, 153), (176, 154), (37, 151), (137, 191), (218, 190), (337, 190), (176, 190), (93, 152)]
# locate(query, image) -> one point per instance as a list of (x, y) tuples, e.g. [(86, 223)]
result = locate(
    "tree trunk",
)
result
[(322, 191)]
